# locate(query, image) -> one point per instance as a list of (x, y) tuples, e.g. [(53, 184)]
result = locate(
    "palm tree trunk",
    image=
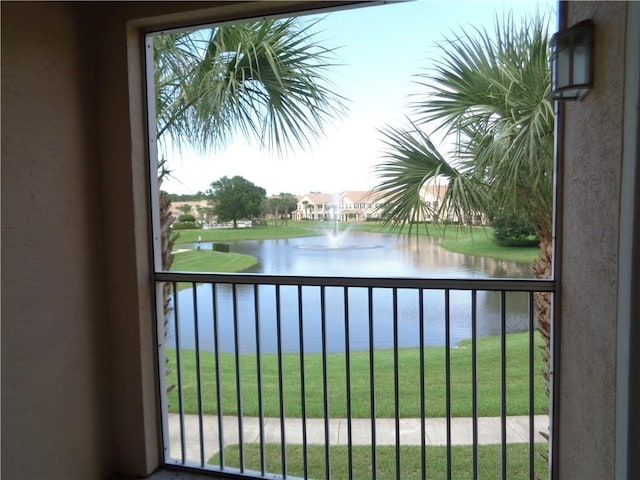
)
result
[(167, 237), (167, 240), (542, 269)]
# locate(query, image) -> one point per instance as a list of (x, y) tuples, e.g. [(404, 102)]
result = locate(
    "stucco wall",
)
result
[(590, 237), (54, 408)]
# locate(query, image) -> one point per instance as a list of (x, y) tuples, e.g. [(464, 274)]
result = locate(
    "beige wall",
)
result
[(590, 203), (54, 397)]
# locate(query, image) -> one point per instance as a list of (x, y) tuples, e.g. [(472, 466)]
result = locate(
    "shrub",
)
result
[(186, 218), (221, 247), (513, 230), (186, 226)]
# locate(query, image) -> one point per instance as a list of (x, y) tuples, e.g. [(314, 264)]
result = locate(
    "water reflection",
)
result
[(393, 257)]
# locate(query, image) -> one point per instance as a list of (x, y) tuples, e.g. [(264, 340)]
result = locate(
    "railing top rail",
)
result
[(515, 285)]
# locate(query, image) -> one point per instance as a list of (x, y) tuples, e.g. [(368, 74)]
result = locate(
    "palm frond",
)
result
[(412, 163), (265, 80), (491, 90)]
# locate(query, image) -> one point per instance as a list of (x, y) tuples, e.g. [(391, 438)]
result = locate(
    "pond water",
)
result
[(353, 255)]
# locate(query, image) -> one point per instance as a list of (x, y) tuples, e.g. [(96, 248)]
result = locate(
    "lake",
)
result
[(353, 255)]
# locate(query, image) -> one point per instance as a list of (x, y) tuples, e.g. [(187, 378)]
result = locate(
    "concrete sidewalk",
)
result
[(489, 432)]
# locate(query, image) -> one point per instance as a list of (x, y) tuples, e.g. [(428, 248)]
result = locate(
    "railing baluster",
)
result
[(347, 358), (423, 413), (283, 439), (236, 343), (396, 383), (474, 378), (372, 385), (503, 383), (176, 318), (447, 370), (532, 405), (303, 392), (473, 287), (216, 358), (256, 309), (325, 382), (198, 372)]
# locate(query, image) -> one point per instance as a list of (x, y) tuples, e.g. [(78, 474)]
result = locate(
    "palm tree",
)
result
[(263, 79), (489, 94), (260, 79), (305, 203)]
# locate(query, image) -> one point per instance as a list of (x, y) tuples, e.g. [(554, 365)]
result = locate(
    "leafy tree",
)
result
[(190, 197), (236, 198), (490, 95)]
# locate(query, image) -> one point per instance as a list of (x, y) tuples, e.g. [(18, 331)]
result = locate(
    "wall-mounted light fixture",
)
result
[(572, 62)]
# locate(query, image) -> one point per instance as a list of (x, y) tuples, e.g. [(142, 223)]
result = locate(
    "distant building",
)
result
[(360, 206), (316, 206), (201, 209)]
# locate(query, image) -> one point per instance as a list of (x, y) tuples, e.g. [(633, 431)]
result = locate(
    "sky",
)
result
[(380, 50)]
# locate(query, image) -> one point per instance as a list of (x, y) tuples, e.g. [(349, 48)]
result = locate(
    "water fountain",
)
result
[(334, 237), (335, 210), (343, 252)]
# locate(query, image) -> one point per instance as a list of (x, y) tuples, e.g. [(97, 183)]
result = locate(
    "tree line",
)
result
[(232, 199)]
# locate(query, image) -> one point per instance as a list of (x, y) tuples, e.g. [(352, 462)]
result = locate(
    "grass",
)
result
[(477, 241), (291, 230), (409, 381), (489, 461), (211, 261), (485, 247)]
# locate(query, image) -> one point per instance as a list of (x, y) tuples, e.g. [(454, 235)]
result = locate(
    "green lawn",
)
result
[(409, 383), (489, 461), (211, 261), (293, 229), (470, 241), (483, 246)]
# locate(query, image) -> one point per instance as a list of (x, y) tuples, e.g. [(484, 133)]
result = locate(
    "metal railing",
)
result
[(281, 376)]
